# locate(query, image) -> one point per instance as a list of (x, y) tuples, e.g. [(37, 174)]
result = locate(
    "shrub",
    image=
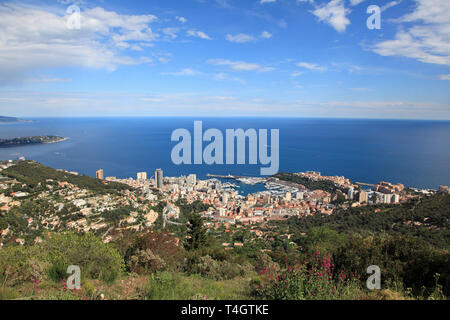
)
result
[(160, 285), (8, 294), (19, 264), (299, 282), (96, 259), (57, 271), (208, 267), (154, 251), (145, 261), (406, 260)]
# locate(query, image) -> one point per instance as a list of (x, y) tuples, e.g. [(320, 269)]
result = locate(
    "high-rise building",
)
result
[(142, 175), (387, 198), (363, 196), (350, 193), (159, 178), (225, 198), (299, 195), (288, 196), (99, 174), (396, 198)]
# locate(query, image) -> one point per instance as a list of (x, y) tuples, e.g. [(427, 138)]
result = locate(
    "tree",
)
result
[(196, 233)]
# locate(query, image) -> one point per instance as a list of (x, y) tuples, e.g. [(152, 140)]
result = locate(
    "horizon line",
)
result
[(221, 117)]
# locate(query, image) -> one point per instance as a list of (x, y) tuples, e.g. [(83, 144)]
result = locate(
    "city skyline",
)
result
[(284, 58)]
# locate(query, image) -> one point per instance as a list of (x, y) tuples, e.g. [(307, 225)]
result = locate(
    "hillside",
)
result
[(32, 173), (427, 219), (308, 183), (51, 219), (4, 119)]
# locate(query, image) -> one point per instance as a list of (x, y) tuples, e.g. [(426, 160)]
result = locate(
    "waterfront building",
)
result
[(350, 193), (159, 178), (363, 197), (142, 176), (396, 198), (99, 174), (387, 198)]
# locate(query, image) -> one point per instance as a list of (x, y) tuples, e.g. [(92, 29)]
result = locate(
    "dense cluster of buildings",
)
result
[(283, 200), (225, 204)]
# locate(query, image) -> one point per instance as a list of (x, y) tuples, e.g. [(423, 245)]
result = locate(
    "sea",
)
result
[(415, 153)]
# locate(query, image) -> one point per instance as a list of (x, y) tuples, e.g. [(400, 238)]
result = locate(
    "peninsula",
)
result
[(4, 119), (24, 141)]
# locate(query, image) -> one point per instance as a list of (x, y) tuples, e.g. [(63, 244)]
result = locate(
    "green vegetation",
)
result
[(308, 183), (50, 259), (197, 237), (427, 219), (25, 141), (315, 257), (33, 173), (318, 280), (176, 286)]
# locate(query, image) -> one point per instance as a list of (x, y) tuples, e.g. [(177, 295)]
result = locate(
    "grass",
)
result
[(173, 286), (170, 286)]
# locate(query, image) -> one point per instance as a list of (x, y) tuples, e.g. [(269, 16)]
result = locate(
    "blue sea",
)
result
[(415, 153)]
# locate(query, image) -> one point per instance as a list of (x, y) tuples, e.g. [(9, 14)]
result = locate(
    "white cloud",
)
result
[(225, 77), (424, 34), (333, 13), (198, 103), (240, 38), (283, 24), (198, 34), (48, 80), (267, 1), (184, 72), (296, 74), (181, 19), (170, 32), (243, 38), (390, 5), (444, 77), (312, 66), (266, 35), (356, 2), (239, 65), (34, 39)]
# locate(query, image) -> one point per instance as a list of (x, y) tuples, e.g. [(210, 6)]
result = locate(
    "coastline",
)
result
[(61, 139)]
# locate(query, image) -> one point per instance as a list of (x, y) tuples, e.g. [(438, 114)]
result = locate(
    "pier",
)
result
[(224, 177), (365, 184)]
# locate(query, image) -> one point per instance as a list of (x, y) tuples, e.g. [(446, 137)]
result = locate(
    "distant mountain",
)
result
[(4, 119)]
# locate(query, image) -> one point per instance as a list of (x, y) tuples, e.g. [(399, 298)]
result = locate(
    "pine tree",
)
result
[(197, 237)]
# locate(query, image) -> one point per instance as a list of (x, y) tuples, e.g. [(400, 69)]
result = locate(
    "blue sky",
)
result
[(302, 58)]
